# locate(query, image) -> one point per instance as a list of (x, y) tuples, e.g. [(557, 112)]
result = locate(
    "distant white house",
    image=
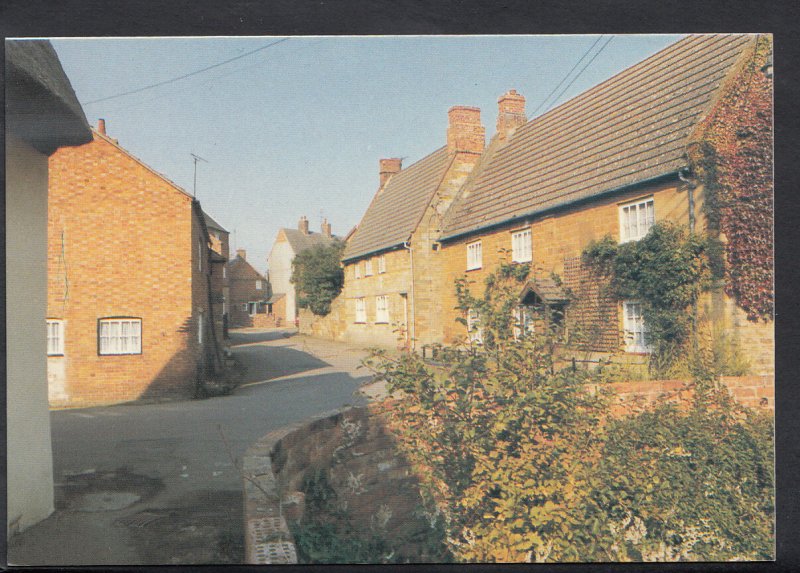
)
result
[(288, 244)]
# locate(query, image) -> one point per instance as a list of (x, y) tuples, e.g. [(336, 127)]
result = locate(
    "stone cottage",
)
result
[(611, 161)]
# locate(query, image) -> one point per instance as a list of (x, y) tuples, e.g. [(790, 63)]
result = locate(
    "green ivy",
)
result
[(666, 271)]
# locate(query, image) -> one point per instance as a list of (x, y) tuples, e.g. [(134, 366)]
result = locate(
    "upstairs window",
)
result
[(381, 264), (474, 256), (521, 247), (382, 309), (258, 285), (368, 268), (119, 336), (361, 310), (357, 269), (635, 327), (55, 337), (635, 219)]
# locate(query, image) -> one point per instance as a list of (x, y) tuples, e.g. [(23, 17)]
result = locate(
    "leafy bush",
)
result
[(525, 463), (318, 276)]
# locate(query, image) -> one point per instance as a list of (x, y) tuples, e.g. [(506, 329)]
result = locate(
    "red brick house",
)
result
[(250, 303), (134, 289)]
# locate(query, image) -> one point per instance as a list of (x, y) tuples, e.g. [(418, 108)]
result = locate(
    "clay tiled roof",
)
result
[(629, 129), (396, 210), (299, 241), (546, 289)]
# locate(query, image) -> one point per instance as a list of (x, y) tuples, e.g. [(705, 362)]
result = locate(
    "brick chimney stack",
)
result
[(242, 254), (303, 225), (465, 133), (326, 228), (389, 167), (101, 126), (510, 113)]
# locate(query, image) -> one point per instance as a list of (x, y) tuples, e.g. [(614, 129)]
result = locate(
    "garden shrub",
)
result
[(524, 463)]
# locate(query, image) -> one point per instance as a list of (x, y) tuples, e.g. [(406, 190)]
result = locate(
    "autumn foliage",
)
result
[(733, 158), (523, 461)]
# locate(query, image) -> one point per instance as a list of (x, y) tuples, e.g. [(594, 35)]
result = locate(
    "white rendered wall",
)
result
[(29, 451), (280, 274)]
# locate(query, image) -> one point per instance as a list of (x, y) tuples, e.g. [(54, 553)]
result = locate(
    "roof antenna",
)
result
[(196, 159)]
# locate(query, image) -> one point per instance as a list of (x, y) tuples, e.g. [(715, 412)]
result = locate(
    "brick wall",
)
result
[(242, 288), (752, 391), (122, 241)]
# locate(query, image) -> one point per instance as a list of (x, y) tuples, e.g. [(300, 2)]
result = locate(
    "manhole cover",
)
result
[(105, 501), (140, 519)]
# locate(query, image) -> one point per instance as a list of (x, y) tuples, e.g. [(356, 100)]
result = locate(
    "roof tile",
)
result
[(628, 129)]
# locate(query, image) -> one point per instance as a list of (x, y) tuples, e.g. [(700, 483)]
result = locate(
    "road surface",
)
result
[(155, 483)]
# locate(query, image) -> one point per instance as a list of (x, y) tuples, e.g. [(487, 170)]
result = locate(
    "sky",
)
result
[(298, 128)]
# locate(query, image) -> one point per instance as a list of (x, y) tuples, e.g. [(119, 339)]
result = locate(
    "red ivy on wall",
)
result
[(733, 157)]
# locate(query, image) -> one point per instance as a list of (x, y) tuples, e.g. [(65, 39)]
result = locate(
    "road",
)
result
[(172, 457)]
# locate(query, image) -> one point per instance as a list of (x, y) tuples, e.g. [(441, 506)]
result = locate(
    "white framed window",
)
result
[(635, 219), (368, 268), (382, 309), (119, 336), (361, 310), (381, 264), (55, 337), (524, 321), (635, 327), (474, 330), (258, 285), (474, 256), (224, 272), (521, 247), (357, 269), (201, 325), (252, 308), (244, 307)]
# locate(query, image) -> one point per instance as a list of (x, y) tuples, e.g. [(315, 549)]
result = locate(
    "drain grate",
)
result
[(266, 528), (274, 553), (141, 519)]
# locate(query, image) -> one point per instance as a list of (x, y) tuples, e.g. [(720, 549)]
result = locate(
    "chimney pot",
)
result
[(389, 167), (302, 225), (510, 113), (242, 254), (465, 133), (101, 126)]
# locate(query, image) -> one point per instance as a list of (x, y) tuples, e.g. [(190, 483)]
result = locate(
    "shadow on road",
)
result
[(268, 362), (255, 336)]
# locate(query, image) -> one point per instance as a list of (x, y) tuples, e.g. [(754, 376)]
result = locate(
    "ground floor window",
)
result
[(382, 309), (361, 310), (525, 318), (635, 327), (120, 336), (474, 329), (55, 337)]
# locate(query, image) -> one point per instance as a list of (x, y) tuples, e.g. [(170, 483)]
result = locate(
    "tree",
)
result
[(318, 276)]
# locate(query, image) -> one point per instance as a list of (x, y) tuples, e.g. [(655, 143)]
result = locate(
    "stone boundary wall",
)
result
[(268, 540), (756, 392)]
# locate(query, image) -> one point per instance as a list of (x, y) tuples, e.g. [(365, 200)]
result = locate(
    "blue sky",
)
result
[(298, 128)]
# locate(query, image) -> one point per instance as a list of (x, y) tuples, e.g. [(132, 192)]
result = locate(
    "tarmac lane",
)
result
[(147, 484)]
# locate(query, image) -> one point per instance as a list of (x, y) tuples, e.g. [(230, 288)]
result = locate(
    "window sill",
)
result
[(475, 269), (521, 262), (356, 322), (381, 323), (122, 354), (56, 355)]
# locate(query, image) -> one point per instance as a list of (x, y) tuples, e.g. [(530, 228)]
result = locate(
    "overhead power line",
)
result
[(603, 47), (555, 89), (184, 76)]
